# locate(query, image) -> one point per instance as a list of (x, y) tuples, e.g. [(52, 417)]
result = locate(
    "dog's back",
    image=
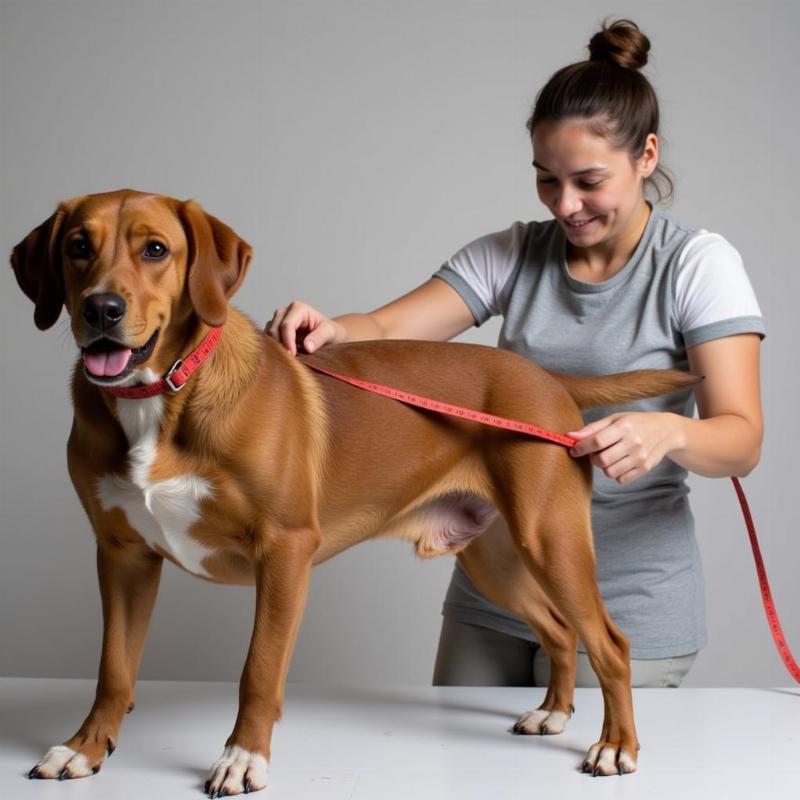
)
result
[(455, 372)]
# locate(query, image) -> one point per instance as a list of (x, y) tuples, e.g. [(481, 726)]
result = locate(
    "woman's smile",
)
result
[(579, 224)]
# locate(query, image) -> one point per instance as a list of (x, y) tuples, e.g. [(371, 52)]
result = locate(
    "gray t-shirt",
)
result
[(681, 287)]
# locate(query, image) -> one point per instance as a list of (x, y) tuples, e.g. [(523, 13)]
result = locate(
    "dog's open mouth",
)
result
[(108, 361)]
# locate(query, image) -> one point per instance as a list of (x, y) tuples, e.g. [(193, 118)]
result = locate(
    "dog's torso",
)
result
[(279, 442)]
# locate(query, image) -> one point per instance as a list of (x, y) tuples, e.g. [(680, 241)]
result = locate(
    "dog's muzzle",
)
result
[(108, 358)]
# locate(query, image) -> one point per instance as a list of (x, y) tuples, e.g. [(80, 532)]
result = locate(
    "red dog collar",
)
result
[(177, 376)]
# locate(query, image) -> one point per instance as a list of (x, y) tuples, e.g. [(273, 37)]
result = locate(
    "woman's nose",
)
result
[(566, 202)]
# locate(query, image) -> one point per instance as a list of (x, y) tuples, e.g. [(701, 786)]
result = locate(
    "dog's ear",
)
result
[(36, 261), (217, 261)]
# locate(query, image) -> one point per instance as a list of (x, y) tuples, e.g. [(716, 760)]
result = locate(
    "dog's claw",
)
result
[(248, 786), (64, 774), (206, 786), (110, 747), (34, 773)]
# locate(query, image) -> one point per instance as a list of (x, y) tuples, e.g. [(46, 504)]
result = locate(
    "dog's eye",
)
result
[(78, 249), (155, 249)]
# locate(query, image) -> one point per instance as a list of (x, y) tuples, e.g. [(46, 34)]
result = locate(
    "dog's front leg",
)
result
[(282, 574), (129, 580)]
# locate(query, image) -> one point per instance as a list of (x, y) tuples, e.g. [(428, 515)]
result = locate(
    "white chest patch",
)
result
[(162, 512)]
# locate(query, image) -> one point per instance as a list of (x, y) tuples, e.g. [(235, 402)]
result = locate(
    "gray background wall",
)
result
[(356, 145)]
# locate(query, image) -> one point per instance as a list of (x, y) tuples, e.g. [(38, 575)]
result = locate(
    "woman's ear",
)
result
[(650, 156)]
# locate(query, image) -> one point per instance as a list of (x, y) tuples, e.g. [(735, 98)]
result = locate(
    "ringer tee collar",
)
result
[(588, 287)]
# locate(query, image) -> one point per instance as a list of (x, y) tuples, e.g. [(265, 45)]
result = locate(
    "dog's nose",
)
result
[(103, 310)]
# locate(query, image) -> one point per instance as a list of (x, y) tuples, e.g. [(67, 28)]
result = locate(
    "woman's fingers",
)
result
[(300, 325)]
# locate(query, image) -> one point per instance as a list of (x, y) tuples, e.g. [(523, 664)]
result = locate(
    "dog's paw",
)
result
[(609, 758), (542, 722), (63, 762), (236, 771)]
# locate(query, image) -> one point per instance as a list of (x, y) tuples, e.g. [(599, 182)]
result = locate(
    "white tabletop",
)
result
[(417, 743)]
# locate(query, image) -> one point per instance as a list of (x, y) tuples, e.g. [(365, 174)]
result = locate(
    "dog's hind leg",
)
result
[(495, 567), (559, 641), (550, 526), (561, 562)]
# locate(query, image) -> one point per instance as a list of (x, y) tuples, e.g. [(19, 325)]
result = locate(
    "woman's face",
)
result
[(593, 189)]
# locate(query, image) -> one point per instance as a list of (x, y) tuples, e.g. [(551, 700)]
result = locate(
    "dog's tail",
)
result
[(623, 387)]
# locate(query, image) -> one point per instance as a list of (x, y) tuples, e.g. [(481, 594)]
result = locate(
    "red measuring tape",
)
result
[(454, 411), (567, 441), (766, 595)]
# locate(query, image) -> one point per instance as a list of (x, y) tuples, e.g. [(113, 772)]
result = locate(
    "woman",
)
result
[(611, 283)]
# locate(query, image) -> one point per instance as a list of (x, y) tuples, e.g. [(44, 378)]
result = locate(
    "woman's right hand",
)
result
[(300, 327), (433, 311)]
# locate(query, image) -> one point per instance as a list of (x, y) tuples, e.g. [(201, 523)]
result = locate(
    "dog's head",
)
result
[(133, 271)]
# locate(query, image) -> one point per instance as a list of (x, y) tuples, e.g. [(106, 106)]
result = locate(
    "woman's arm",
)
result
[(432, 311), (725, 441)]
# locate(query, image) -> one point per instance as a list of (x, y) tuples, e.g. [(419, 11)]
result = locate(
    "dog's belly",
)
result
[(441, 525), (163, 514)]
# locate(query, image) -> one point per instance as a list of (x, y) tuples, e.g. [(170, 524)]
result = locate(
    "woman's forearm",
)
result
[(716, 447), (358, 328)]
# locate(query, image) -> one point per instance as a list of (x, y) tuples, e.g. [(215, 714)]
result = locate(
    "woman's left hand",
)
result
[(627, 445)]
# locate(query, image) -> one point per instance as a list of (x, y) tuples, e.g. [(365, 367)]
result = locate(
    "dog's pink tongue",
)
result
[(107, 364)]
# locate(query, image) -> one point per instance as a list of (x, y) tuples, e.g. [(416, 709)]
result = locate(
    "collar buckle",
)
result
[(168, 377)]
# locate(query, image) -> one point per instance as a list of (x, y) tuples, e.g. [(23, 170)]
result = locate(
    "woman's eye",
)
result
[(155, 250), (582, 184), (79, 249)]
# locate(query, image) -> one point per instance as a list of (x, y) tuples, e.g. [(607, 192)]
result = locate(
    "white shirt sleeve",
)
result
[(483, 267), (713, 295)]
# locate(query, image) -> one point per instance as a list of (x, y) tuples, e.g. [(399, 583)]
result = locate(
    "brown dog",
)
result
[(260, 468)]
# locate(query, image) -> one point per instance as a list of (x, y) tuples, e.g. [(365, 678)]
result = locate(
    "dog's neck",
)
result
[(231, 368), (213, 389)]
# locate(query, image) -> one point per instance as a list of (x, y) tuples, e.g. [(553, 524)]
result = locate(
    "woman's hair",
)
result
[(610, 93)]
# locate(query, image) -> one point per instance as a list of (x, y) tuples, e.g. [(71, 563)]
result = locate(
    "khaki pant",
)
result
[(471, 655)]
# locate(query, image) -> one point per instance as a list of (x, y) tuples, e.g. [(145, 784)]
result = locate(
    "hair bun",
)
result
[(622, 44)]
